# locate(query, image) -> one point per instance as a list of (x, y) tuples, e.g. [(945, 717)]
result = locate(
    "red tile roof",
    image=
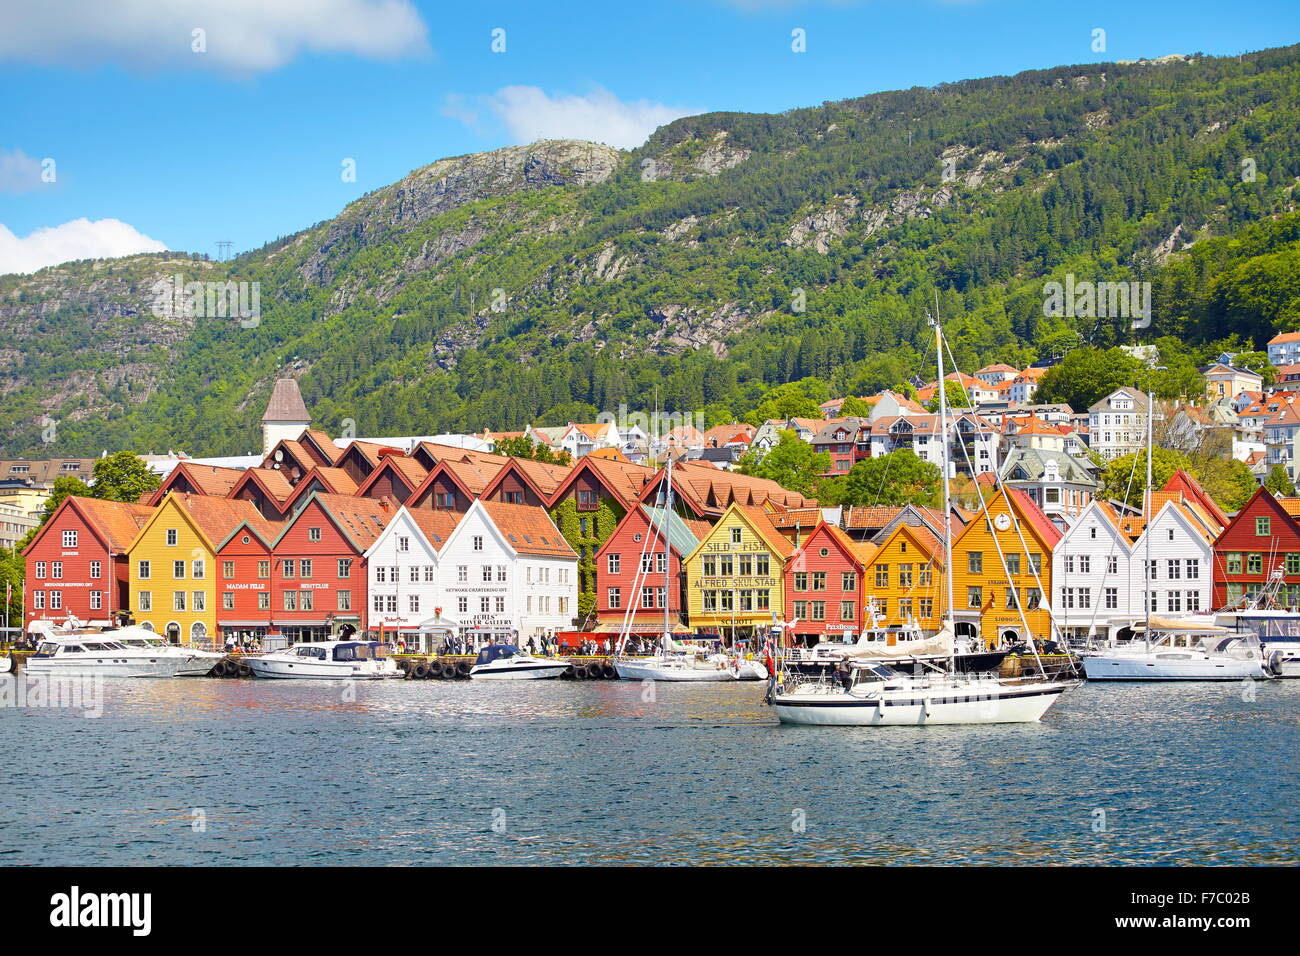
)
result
[(529, 529)]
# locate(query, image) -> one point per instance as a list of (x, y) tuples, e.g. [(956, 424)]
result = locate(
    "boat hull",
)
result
[(651, 670), (1120, 668), (518, 671), (103, 667), (305, 669), (996, 705)]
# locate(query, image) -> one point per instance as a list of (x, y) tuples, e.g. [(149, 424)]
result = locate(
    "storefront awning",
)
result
[(640, 624)]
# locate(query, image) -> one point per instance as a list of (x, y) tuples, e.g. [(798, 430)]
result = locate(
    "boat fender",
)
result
[(462, 669)]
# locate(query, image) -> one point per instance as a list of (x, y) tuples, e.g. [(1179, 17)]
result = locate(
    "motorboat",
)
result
[(901, 645), (1180, 650), (508, 662), (1278, 633), (873, 694), (194, 661), (93, 655), (327, 660)]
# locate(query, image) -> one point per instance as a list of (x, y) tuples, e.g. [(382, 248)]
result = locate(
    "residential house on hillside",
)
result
[(1225, 381), (1057, 482), (973, 447), (1280, 437), (1284, 348), (996, 374), (1117, 423), (837, 438)]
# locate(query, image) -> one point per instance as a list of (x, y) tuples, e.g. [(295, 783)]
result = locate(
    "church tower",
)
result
[(286, 415)]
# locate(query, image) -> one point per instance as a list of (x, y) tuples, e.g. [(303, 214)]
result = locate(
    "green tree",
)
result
[(855, 408), (64, 485), (1086, 375), (1125, 477), (122, 476), (956, 395), (791, 463), (1279, 483), (521, 446), (898, 478)]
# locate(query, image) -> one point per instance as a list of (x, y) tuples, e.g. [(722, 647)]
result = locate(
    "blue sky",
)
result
[(245, 139)]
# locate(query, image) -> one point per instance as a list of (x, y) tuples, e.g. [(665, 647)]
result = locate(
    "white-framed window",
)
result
[(96, 600), (172, 537), (69, 539), (478, 542)]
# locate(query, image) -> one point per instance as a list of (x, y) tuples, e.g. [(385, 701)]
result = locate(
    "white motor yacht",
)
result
[(194, 662), (871, 694), (327, 660), (1180, 650), (92, 655), (508, 662)]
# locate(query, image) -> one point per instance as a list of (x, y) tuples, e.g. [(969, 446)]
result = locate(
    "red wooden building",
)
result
[(639, 541), (823, 586), (318, 577), (1261, 539), (77, 563), (244, 567)]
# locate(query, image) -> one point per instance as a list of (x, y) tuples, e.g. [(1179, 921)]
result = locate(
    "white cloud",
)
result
[(19, 173), (78, 239), (530, 114), (239, 35)]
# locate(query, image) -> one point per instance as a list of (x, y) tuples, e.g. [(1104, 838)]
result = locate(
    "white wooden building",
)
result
[(402, 575), (1098, 567), (507, 574)]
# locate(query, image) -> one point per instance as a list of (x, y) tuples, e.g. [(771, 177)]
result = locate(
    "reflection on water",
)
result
[(604, 772)]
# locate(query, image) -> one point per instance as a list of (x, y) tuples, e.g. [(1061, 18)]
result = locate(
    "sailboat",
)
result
[(1172, 649), (674, 660), (870, 693)]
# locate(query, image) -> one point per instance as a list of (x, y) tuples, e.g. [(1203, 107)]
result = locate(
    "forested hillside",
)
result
[(731, 254)]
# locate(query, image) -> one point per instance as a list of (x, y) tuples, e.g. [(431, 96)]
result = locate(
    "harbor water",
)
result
[(193, 772)]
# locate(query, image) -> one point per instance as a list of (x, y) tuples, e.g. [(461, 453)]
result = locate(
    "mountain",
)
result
[(731, 254)]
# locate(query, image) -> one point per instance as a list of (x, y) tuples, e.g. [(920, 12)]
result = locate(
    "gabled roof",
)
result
[(332, 481), (544, 479), (757, 520), (1180, 481), (264, 530), (529, 529), (624, 480), (271, 481), (920, 535), (436, 526), (409, 471), (211, 518), (208, 479), (1282, 337), (324, 447), (360, 520), (847, 546), (437, 452), (115, 523)]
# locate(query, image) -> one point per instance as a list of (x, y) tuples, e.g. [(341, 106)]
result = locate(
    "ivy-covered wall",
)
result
[(600, 525)]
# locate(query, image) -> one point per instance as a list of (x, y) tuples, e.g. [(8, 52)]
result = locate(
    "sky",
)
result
[(136, 125)]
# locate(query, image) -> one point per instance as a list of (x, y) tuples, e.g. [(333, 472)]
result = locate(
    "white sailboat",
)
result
[(1174, 649), (674, 660), (869, 693)]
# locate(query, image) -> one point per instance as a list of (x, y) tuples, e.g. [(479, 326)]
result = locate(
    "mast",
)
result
[(1147, 503), (943, 443), (668, 553)]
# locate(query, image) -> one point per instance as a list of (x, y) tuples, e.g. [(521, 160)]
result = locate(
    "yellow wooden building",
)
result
[(735, 576), (904, 577), (173, 566), (1002, 568)]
